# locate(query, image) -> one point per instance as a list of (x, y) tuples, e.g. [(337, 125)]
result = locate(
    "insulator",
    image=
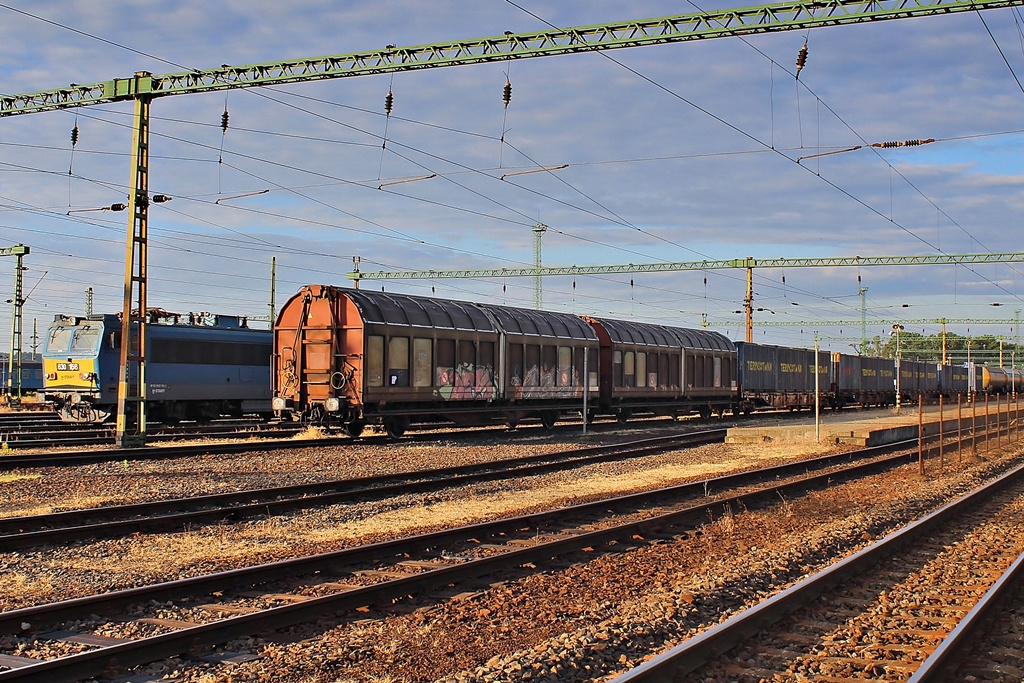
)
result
[(904, 143), (118, 207), (801, 59), (74, 135), (224, 121), (506, 95), (389, 102)]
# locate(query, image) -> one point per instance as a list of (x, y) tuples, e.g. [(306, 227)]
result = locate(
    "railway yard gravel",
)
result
[(586, 621)]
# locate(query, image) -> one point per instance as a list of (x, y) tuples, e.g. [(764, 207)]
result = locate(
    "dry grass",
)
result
[(4, 478), (312, 432)]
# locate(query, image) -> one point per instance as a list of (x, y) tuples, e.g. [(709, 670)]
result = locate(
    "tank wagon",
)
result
[(1001, 380), (350, 357), (198, 367)]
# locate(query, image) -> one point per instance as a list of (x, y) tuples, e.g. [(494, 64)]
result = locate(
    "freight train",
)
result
[(349, 358), (198, 367)]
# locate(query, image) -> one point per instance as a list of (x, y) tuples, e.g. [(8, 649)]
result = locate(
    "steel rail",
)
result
[(688, 656), (935, 668)]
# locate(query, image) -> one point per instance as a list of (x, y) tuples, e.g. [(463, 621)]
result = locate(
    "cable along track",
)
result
[(182, 615), (876, 614)]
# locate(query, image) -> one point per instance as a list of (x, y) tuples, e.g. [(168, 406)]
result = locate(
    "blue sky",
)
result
[(675, 153)]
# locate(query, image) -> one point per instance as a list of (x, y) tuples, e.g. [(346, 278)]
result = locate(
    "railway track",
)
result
[(40, 430), (876, 614), (174, 515), (268, 440), (179, 616)]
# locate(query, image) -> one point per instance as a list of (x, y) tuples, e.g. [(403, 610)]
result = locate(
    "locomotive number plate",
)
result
[(67, 367)]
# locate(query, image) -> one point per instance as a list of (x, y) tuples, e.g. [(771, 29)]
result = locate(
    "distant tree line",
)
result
[(984, 349)]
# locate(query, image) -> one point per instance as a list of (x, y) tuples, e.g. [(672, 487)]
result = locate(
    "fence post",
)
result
[(974, 427), (959, 429), (942, 456), (920, 435)]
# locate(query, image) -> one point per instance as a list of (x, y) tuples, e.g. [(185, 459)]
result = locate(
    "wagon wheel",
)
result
[(705, 412), (355, 428), (548, 419), (396, 426)]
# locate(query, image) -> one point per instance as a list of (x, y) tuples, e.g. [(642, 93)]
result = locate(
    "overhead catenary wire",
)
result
[(503, 126)]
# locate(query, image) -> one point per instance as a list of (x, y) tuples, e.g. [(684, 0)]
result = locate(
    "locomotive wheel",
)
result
[(548, 419), (396, 426), (355, 428)]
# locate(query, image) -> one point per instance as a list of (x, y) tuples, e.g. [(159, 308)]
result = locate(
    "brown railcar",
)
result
[(353, 357), (664, 370)]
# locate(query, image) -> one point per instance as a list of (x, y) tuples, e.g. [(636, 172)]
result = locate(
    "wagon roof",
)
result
[(531, 322), (628, 332), (416, 311)]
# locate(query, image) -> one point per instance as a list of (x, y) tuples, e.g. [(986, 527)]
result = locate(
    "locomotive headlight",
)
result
[(332, 405), (279, 403)]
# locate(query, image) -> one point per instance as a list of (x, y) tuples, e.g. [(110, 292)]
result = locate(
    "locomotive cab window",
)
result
[(59, 340), (87, 340)]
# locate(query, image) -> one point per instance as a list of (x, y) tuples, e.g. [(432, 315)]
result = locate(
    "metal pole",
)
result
[(998, 419), (748, 303), (988, 446), (131, 387), (899, 370), (920, 435), (586, 386), (942, 461), (959, 429), (817, 394), (974, 429), (273, 291)]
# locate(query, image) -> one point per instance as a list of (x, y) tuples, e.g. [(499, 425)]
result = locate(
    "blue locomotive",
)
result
[(198, 367)]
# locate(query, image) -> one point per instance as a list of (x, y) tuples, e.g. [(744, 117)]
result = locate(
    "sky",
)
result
[(685, 152)]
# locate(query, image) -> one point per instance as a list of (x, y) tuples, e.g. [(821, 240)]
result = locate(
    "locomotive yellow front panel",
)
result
[(67, 374)]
